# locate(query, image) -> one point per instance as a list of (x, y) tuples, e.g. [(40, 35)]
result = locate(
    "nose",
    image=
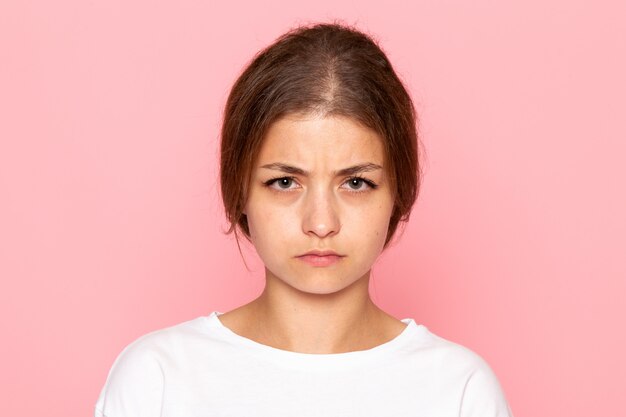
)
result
[(321, 217)]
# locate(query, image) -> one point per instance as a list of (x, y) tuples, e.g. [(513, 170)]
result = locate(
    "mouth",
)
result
[(320, 258)]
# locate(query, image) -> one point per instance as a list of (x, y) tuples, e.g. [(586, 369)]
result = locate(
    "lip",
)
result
[(320, 258), (321, 253)]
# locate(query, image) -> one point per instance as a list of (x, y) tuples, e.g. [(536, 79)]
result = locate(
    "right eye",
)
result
[(282, 183)]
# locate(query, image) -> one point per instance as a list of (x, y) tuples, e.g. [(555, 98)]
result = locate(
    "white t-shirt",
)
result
[(200, 368)]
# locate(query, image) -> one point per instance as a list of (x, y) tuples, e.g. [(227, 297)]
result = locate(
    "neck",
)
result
[(343, 321)]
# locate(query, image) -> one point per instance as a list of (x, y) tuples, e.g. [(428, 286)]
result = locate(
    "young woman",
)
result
[(319, 165)]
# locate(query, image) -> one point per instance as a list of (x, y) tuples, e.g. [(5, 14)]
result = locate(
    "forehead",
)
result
[(320, 141)]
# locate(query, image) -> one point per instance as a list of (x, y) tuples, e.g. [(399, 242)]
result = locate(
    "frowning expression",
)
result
[(319, 202)]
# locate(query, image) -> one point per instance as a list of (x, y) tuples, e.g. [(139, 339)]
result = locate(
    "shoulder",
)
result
[(442, 352), (135, 381), (154, 347), (479, 388)]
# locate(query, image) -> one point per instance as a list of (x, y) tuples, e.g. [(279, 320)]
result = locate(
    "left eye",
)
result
[(357, 184)]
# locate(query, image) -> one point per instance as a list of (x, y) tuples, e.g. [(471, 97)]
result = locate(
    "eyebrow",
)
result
[(290, 169)]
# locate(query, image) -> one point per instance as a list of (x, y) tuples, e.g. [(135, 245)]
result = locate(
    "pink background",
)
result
[(110, 223)]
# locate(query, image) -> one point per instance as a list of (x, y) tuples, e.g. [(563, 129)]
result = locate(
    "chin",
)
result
[(319, 289), (321, 284), (311, 280)]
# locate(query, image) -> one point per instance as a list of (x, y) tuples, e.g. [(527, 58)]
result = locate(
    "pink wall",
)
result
[(110, 224)]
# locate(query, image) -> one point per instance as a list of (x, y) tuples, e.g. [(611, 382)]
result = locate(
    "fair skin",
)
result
[(319, 185)]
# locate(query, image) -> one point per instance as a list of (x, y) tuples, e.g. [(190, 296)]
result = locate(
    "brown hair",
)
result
[(327, 69)]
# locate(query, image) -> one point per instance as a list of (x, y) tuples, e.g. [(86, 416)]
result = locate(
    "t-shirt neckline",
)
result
[(318, 360)]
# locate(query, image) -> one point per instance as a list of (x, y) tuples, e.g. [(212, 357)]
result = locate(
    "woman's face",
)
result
[(319, 202)]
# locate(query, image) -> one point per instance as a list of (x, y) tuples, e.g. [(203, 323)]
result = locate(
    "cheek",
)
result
[(369, 228), (269, 225), (382, 221), (381, 226)]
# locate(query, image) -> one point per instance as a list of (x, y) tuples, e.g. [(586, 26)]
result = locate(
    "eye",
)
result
[(282, 183), (359, 184)]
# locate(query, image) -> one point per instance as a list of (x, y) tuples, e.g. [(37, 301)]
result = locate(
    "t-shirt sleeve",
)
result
[(483, 396), (134, 386)]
